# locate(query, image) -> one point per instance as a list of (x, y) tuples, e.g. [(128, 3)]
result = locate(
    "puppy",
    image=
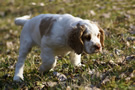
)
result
[(57, 34)]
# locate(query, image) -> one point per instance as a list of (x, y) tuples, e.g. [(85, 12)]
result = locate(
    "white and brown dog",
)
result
[(57, 34)]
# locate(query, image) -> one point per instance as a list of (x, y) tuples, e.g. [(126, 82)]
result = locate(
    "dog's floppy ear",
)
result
[(75, 38), (102, 36)]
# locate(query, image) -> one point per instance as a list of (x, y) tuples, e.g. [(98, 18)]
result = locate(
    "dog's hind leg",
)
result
[(26, 44)]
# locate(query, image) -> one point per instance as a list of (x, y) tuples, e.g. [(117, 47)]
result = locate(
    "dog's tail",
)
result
[(22, 20)]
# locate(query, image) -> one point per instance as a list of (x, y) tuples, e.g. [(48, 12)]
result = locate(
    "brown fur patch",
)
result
[(75, 38), (46, 26), (102, 36)]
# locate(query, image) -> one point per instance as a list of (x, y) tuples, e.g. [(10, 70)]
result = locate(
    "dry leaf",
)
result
[(60, 77), (106, 15), (106, 80), (9, 45), (131, 38), (132, 32), (68, 88), (117, 51), (127, 79), (6, 36), (42, 4), (132, 57), (92, 13), (49, 84), (127, 43), (33, 3), (122, 75)]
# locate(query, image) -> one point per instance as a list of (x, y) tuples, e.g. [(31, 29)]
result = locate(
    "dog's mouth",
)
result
[(93, 51), (96, 51)]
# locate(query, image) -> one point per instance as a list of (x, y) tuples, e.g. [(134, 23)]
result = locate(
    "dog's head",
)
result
[(86, 37)]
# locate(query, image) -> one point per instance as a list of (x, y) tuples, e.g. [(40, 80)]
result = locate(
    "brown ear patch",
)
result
[(46, 26), (102, 36), (75, 38)]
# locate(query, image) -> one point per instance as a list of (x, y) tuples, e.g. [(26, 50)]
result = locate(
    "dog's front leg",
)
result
[(75, 59), (48, 59)]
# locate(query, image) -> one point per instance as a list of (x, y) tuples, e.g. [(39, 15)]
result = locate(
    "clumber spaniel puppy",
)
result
[(57, 34)]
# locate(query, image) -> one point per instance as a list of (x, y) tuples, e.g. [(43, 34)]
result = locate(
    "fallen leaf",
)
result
[(132, 27), (87, 88), (106, 15), (68, 88), (132, 57), (122, 75), (92, 13), (33, 3), (6, 36), (90, 72), (9, 44), (11, 67), (49, 84), (132, 75), (120, 59), (95, 88), (117, 51), (41, 4), (60, 77), (131, 38), (127, 43), (66, 1), (8, 51), (128, 78), (2, 14), (105, 80), (132, 32)]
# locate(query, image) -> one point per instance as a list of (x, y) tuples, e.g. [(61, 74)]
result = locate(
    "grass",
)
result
[(110, 70)]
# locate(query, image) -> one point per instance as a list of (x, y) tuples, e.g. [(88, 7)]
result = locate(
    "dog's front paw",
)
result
[(80, 65), (18, 78)]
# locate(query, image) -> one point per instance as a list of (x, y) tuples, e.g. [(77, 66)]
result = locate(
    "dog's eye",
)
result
[(88, 37), (98, 35)]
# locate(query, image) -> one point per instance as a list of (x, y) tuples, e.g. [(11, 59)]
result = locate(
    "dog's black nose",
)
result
[(97, 47)]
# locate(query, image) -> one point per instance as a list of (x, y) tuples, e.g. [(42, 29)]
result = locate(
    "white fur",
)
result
[(54, 44), (22, 20)]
